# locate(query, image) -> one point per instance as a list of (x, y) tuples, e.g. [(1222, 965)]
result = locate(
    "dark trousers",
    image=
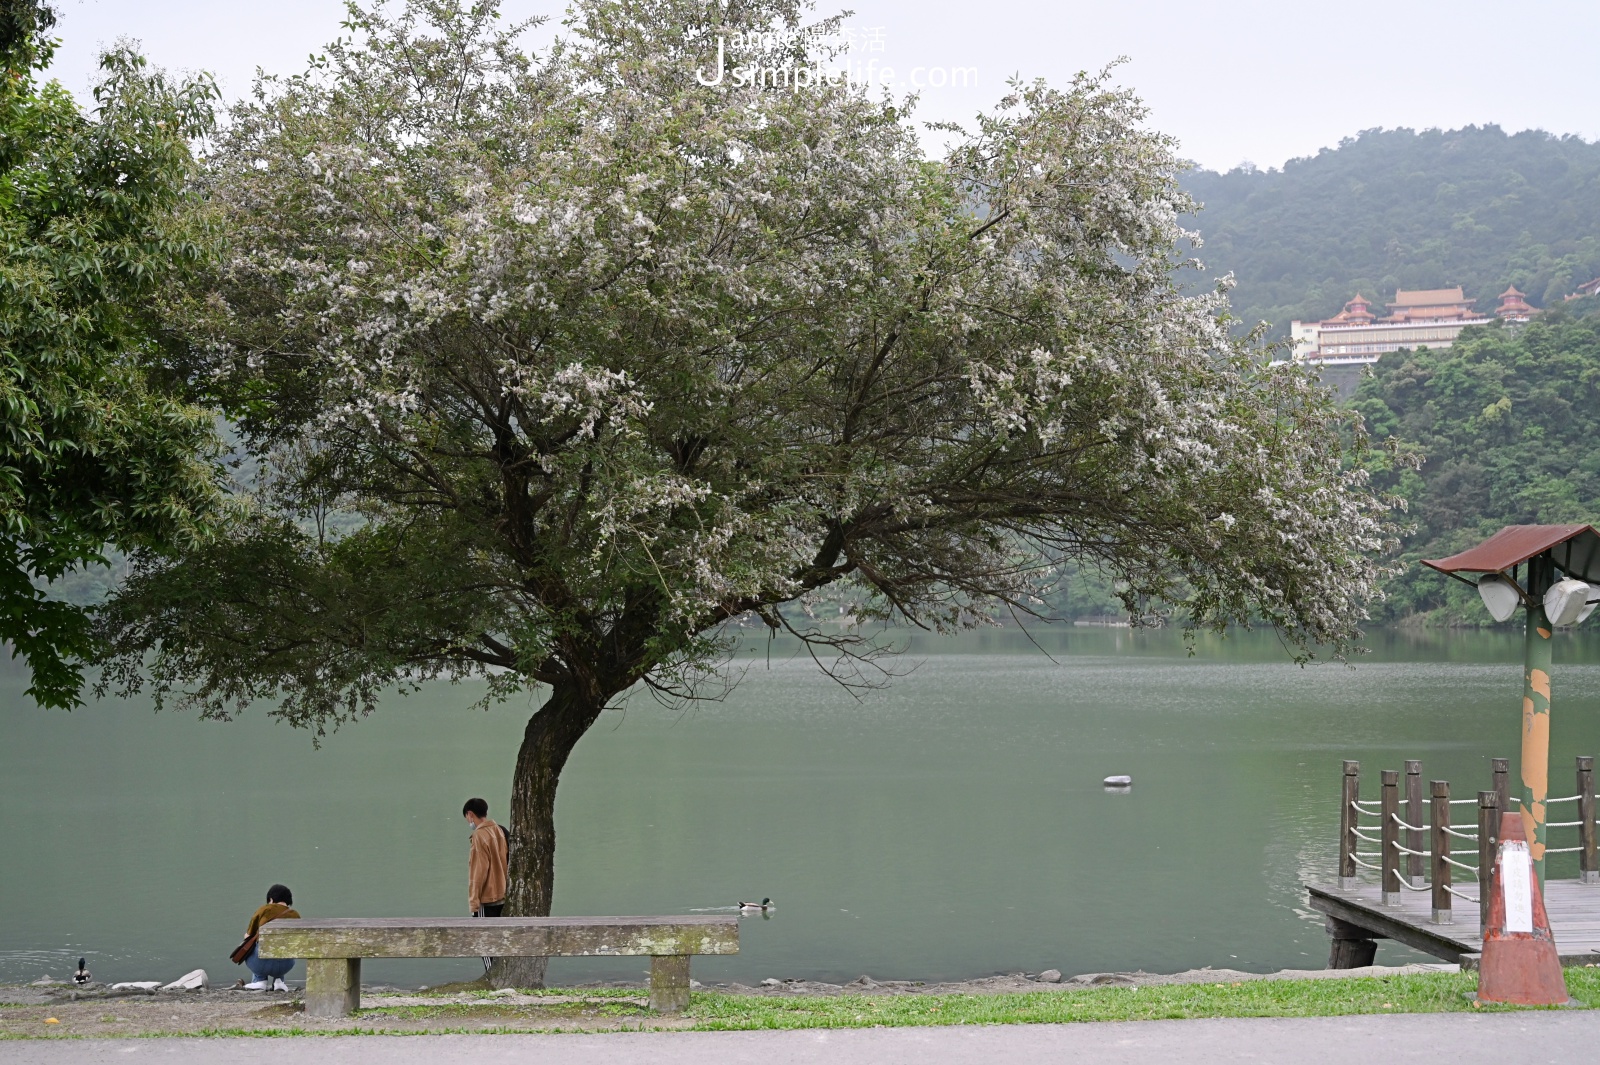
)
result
[(490, 909), (268, 968)]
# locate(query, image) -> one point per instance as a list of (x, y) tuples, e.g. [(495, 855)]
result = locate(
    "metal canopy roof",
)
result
[(1575, 549)]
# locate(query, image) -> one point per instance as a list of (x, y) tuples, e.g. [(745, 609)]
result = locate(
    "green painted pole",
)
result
[(1535, 786)]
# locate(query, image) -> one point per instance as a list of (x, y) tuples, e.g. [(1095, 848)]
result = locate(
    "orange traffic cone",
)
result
[(1520, 964)]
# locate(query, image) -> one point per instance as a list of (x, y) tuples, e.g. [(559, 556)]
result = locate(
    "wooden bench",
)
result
[(332, 947)]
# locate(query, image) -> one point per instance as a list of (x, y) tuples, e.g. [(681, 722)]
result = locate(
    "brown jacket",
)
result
[(270, 912), (486, 866)]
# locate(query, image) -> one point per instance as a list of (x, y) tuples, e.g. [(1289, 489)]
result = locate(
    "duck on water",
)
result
[(755, 907)]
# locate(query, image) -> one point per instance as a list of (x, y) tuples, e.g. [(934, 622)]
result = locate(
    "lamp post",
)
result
[(1545, 601), (1535, 785)]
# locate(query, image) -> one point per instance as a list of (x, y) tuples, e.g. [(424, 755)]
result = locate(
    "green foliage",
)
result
[(91, 452), (1505, 422), (1400, 209)]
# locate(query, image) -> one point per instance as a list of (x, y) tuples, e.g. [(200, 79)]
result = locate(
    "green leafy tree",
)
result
[(557, 366), (1501, 421), (91, 454)]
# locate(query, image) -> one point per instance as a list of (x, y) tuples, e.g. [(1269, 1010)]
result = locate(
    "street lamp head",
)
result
[(1500, 595), (1588, 607), (1566, 602)]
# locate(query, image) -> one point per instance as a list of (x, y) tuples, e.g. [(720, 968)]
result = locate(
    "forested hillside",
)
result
[(1400, 209), (1506, 423)]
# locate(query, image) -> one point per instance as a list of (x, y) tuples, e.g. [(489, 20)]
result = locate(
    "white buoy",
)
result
[(1119, 781)]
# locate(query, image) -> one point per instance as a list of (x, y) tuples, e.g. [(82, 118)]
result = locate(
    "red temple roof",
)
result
[(1428, 297)]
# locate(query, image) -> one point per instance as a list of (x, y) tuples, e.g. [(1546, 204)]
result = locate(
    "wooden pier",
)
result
[(1358, 916), (1404, 887)]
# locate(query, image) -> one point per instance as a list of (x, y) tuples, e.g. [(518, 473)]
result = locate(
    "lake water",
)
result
[(951, 826)]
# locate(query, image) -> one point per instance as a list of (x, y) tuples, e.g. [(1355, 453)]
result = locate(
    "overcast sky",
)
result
[(1245, 80)]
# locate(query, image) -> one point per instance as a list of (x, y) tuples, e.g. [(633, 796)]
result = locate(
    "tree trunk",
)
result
[(551, 734)]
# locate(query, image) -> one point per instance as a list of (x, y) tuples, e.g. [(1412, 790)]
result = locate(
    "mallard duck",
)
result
[(82, 976), (755, 907)]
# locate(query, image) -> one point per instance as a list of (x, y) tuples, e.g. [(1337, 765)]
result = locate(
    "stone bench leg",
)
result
[(333, 986), (669, 983)]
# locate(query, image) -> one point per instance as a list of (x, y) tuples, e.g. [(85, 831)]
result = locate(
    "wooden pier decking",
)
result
[(1358, 913), (1416, 861)]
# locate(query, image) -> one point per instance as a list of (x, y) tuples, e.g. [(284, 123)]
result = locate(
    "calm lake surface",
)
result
[(951, 826)]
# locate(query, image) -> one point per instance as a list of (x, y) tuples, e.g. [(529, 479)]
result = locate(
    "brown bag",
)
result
[(242, 951)]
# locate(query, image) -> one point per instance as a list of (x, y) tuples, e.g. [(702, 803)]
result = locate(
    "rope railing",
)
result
[(1403, 882), (1411, 830)]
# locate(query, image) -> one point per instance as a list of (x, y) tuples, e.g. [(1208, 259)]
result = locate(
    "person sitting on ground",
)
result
[(269, 972), (486, 862)]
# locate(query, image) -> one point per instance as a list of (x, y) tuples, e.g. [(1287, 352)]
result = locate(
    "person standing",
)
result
[(486, 862), (269, 972)]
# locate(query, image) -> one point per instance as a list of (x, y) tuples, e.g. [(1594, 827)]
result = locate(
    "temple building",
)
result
[(1417, 318), (1513, 308)]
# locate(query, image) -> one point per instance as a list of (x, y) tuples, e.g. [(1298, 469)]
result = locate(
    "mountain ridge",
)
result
[(1398, 208)]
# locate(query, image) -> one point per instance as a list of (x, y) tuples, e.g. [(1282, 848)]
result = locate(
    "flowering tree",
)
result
[(92, 451), (557, 365)]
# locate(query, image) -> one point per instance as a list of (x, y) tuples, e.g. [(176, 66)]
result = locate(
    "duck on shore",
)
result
[(755, 907), (82, 976)]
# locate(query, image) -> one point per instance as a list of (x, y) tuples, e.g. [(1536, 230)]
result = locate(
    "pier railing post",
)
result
[(1488, 838), (1389, 864), (1414, 838), (1439, 820), (1501, 768), (1350, 793), (1588, 869)]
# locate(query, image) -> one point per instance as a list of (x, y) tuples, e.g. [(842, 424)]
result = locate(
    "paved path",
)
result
[(1461, 1039)]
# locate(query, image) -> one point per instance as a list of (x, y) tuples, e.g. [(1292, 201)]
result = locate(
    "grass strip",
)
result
[(1421, 993), (717, 1011)]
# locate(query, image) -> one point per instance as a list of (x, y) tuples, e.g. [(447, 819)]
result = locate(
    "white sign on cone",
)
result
[(1517, 868)]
